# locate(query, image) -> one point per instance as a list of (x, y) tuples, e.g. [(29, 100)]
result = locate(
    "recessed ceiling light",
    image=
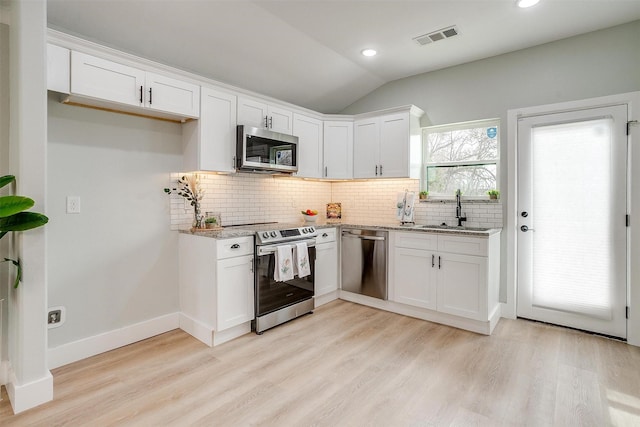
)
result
[(526, 3), (369, 52)]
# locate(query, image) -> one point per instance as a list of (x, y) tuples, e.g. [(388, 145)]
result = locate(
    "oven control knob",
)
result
[(304, 231), (265, 235), (273, 234), (311, 230)]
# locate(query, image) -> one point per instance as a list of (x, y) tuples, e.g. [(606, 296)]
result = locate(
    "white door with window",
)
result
[(572, 206)]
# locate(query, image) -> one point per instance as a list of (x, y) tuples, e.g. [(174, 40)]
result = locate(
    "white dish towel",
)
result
[(283, 270), (301, 264)]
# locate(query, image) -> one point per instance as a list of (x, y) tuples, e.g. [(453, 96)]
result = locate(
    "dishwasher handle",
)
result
[(361, 237)]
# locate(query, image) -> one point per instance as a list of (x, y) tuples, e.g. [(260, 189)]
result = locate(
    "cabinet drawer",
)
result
[(462, 245), (234, 247), (417, 240), (326, 235)]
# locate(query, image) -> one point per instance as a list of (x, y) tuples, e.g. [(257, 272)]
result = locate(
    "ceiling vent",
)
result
[(444, 33)]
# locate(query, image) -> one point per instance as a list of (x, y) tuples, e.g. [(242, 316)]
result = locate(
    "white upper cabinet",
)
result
[(110, 82), (309, 132), (252, 112), (58, 68), (106, 80), (385, 145), (338, 150), (210, 143), (167, 94), (366, 148)]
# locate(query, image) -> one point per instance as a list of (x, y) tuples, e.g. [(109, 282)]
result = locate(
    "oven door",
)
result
[(271, 295)]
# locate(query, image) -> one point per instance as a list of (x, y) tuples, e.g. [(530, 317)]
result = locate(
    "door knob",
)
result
[(525, 228), (525, 214)]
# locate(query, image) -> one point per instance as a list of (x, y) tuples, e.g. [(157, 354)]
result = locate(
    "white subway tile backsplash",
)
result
[(244, 198)]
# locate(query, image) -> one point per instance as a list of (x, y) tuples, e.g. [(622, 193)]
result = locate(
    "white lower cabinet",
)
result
[(234, 282), (427, 273), (415, 279), (462, 286), (216, 287), (326, 270)]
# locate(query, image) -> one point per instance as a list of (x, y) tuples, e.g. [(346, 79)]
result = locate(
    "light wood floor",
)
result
[(352, 365)]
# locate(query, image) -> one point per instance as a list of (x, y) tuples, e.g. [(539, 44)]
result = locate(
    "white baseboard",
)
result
[(208, 335), (476, 326), (87, 347), (222, 337), (30, 395), (196, 329), (323, 299)]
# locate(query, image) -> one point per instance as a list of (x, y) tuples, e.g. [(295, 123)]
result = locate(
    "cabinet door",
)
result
[(309, 133), (58, 63), (326, 273), (217, 147), (338, 150), (366, 145), (252, 113), (415, 275), (394, 146), (462, 285), (234, 281), (171, 95), (102, 79), (280, 120)]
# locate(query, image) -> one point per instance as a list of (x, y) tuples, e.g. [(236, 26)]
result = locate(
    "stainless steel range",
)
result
[(277, 300)]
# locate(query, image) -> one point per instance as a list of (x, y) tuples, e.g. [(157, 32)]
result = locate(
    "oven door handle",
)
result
[(271, 249)]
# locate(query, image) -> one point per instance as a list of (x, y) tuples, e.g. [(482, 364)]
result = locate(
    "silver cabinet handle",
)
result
[(439, 262), (325, 235), (141, 91), (271, 122), (326, 171), (150, 95), (376, 170), (235, 246), (433, 260), (233, 164), (251, 265), (380, 170)]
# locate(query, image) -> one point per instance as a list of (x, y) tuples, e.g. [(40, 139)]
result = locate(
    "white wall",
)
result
[(115, 263), (595, 64)]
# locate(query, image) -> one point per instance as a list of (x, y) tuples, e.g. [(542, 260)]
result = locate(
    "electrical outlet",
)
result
[(73, 204), (56, 316)]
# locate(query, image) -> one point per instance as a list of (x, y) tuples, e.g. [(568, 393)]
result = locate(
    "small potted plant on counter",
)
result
[(423, 195), (493, 194)]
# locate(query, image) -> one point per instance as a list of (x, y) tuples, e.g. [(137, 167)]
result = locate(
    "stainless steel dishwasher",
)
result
[(364, 262)]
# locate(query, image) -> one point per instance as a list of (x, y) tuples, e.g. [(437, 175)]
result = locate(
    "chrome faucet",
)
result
[(459, 216)]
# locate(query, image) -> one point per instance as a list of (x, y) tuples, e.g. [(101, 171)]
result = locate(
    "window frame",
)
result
[(494, 122)]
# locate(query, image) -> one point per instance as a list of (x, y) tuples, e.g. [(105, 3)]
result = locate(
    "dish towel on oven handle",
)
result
[(301, 263), (284, 264)]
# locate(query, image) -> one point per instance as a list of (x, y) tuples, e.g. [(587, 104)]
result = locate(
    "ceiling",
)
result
[(308, 52)]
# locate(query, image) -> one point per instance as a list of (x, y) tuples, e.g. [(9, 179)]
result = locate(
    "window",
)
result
[(461, 156)]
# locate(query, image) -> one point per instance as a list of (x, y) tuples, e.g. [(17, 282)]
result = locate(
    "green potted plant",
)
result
[(423, 195), (493, 194), (211, 222), (13, 218)]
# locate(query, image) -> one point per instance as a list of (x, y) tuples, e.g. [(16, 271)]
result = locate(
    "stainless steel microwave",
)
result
[(261, 150)]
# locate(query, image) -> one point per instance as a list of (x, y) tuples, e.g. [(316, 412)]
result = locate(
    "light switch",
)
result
[(73, 204)]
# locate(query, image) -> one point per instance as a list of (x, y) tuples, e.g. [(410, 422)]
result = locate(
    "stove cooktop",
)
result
[(284, 234)]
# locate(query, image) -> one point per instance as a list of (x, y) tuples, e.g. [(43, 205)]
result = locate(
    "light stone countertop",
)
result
[(231, 232)]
